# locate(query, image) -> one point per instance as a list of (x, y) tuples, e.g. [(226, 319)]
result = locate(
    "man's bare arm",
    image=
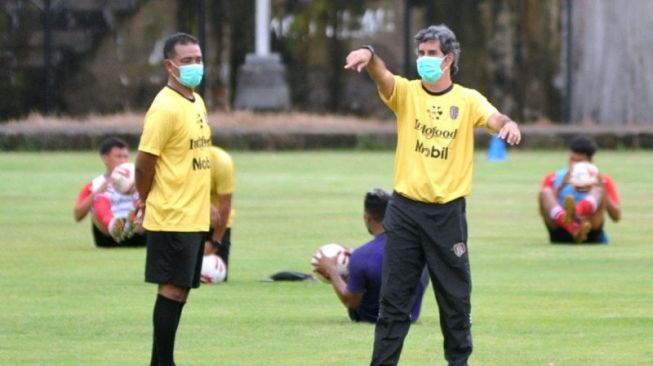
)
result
[(224, 212), (145, 166), (507, 128)]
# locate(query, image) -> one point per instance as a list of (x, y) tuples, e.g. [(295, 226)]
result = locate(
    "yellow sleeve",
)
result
[(227, 181), (398, 95), (223, 179), (156, 129), (481, 109)]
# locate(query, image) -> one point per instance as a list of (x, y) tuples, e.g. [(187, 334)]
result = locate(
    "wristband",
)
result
[(217, 244)]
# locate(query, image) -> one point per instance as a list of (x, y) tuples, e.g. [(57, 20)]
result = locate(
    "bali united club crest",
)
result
[(453, 112), (459, 249)]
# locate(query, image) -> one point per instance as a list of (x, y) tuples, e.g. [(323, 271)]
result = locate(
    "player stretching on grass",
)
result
[(359, 292), (173, 177), (425, 220), (576, 214), (113, 213)]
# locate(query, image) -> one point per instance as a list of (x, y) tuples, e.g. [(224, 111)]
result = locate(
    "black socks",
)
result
[(165, 318)]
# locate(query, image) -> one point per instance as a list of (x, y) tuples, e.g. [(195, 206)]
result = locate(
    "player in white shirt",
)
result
[(113, 213)]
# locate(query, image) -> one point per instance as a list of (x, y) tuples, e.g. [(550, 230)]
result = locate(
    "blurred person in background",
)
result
[(223, 185), (113, 214), (576, 213)]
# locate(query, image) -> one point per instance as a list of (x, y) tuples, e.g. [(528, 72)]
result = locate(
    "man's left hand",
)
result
[(510, 133), (210, 248)]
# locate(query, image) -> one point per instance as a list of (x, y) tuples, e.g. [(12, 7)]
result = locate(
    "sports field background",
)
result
[(66, 303)]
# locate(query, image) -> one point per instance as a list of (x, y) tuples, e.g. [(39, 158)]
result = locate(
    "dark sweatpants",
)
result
[(435, 234)]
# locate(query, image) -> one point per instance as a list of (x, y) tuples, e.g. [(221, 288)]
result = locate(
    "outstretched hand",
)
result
[(358, 59), (510, 133)]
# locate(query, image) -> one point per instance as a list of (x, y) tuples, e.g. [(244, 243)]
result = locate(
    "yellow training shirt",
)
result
[(223, 178), (176, 131), (435, 139)]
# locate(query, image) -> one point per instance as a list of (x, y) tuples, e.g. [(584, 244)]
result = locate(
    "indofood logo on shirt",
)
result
[(201, 163), (200, 143), (432, 132)]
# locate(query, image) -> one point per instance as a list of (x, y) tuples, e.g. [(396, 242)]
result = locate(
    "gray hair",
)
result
[(447, 39)]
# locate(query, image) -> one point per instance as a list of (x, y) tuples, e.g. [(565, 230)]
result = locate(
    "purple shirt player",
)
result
[(365, 267), (360, 294)]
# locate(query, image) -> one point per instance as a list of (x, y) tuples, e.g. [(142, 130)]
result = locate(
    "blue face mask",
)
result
[(429, 68), (190, 75)]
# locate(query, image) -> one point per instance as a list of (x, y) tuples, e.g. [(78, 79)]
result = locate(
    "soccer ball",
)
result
[(331, 250), (122, 177), (583, 174), (213, 269)]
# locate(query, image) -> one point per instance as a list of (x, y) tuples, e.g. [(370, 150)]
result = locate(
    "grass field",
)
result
[(66, 303)]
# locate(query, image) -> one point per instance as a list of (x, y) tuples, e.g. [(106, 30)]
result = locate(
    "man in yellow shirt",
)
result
[(223, 185), (173, 178), (425, 219)]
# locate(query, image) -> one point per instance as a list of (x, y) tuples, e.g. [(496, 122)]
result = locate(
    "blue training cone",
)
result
[(497, 150)]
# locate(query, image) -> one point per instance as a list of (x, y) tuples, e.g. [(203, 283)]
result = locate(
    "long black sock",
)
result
[(181, 308), (165, 318)]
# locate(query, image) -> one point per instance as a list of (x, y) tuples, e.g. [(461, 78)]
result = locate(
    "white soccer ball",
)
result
[(122, 177), (583, 174), (331, 250), (213, 269)]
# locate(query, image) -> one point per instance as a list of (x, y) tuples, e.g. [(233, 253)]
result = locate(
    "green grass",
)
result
[(65, 302)]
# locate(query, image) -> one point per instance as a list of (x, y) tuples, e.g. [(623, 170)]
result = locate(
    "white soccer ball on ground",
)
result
[(213, 269), (332, 250), (583, 174), (123, 177)]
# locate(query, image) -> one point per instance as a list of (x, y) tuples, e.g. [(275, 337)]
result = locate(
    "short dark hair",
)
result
[(175, 39), (583, 145), (376, 201), (109, 143)]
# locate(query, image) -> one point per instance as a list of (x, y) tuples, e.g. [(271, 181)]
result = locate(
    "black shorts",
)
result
[(174, 258), (561, 236), (105, 241)]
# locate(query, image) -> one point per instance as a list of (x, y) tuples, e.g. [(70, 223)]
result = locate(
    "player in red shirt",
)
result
[(112, 212), (573, 214)]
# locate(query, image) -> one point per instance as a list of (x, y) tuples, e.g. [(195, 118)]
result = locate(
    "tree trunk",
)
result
[(612, 67)]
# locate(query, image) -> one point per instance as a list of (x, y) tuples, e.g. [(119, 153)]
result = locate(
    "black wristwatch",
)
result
[(216, 244), (369, 48)]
